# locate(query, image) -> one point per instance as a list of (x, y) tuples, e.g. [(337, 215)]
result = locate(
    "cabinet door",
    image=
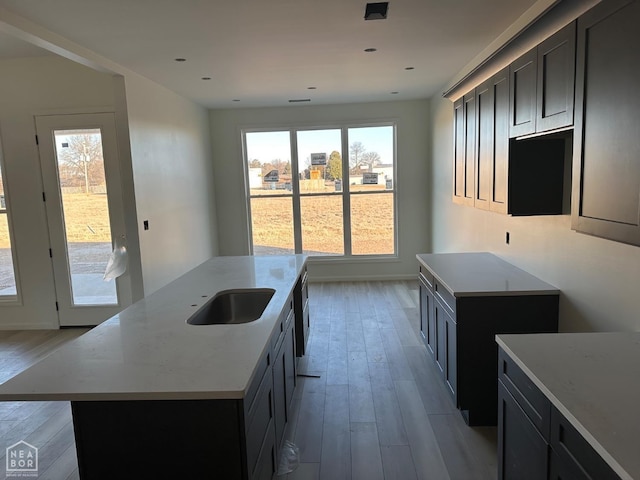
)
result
[(451, 363), (492, 164), (446, 351), (289, 348), (284, 379), (574, 455), (458, 152), (522, 451), (606, 162), (427, 320), (556, 75), (484, 162), (523, 73), (464, 149), (301, 308), (470, 136), (440, 323), (279, 394)]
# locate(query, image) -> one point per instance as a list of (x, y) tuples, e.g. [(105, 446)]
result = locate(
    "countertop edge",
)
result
[(200, 391), (489, 293), (591, 440)]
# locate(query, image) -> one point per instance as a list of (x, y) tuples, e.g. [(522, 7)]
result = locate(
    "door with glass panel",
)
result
[(8, 285), (82, 192)]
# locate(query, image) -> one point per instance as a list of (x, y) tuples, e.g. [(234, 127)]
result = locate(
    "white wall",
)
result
[(598, 278), (173, 179), (28, 87), (412, 197)]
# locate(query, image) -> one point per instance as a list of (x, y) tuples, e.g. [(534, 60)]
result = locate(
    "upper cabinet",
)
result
[(464, 149), (606, 163), (493, 172), (492, 159), (542, 85)]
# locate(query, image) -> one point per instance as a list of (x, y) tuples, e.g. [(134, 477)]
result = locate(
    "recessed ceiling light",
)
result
[(236, 100), (206, 78), (299, 100), (180, 59), (376, 11), (409, 68), (369, 50), (311, 88)]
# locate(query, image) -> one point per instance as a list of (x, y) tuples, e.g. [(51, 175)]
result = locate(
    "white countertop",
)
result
[(478, 274), (148, 351), (593, 379)]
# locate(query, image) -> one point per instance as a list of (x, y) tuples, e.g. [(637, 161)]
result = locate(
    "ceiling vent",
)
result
[(376, 11)]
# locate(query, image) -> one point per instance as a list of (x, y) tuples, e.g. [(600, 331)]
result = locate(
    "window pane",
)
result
[(7, 275), (322, 227), (272, 225), (268, 163), (87, 227), (372, 224), (319, 161), (371, 158)]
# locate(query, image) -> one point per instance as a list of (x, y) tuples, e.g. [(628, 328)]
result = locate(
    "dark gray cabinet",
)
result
[(301, 309), (542, 85), (535, 441), (523, 451), (492, 105), (464, 149), (556, 80), (515, 177), (284, 372), (459, 330), (606, 163), (524, 74), (236, 439)]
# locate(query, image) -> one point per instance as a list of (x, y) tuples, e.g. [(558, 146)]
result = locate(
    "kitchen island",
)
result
[(569, 406), (465, 300), (155, 397)]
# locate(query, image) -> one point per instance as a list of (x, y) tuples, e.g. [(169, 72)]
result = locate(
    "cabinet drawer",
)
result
[(445, 297), (532, 401), (426, 277), (574, 452)]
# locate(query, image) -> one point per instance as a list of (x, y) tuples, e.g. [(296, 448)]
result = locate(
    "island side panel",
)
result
[(158, 439), (479, 319)]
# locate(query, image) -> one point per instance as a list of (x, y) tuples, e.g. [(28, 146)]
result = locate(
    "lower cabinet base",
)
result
[(160, 439)]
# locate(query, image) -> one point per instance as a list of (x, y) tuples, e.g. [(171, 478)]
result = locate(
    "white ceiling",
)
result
[(265, 52)]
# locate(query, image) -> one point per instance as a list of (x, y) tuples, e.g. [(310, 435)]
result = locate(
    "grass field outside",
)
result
[(86, 221), (372, 224)]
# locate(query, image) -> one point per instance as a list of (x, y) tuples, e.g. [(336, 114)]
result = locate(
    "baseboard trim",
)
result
[(361, 278), (28, 326)]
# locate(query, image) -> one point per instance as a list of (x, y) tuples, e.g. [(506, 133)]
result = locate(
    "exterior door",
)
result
[(83, 201)]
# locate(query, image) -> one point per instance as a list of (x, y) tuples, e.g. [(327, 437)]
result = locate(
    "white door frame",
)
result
[(70, 314)]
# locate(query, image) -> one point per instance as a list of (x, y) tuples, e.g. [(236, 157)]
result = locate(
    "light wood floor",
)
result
[(377, 411)]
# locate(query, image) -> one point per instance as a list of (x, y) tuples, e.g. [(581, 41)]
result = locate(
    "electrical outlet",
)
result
[(506, 238), (146, 225)]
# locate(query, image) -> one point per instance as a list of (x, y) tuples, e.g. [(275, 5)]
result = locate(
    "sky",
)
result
[(268, 146)]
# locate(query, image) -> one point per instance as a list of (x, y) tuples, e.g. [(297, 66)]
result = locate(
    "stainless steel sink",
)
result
[(233, 306)]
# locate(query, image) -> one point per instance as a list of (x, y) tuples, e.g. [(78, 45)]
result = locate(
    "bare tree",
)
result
[(370, 158), (81, 158), (356, 150)]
